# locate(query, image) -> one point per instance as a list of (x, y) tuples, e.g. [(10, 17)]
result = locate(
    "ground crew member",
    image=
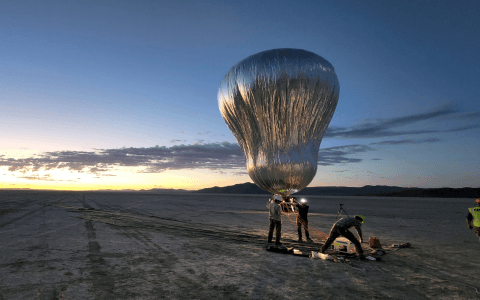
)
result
[(302, 219), (275, 219), (474, 214), (340, 228)]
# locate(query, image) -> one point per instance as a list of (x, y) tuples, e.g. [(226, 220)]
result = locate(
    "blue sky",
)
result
[(89, 89)]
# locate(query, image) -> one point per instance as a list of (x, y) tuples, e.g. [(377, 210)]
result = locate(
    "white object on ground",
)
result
[(321, 256)]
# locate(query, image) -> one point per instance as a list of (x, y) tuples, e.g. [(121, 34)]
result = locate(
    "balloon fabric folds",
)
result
[(278, 104)]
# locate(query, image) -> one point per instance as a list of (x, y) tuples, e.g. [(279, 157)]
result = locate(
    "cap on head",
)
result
[(478, 200), (360, 218), (278, 198)]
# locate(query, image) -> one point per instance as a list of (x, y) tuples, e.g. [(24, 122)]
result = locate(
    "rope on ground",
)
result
[(293, 217), (375, 268), (365, 269), (361, 269), (473, 288)]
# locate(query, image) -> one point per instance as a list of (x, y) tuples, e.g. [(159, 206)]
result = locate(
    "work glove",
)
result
[(470, 227)]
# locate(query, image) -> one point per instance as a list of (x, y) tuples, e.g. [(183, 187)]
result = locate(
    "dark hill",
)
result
[(438, 193), (368, 190), (242, 188)]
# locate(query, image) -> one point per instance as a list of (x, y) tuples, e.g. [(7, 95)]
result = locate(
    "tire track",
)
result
[(42, 207), (137, 222), (166, 225), (101, 279), (120, 217), (168, 267), (129, 232), (158, 259)]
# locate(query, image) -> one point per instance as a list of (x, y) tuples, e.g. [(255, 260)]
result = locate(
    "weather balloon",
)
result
[(278, 104)]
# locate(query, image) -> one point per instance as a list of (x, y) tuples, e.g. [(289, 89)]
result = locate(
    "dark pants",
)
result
[(477, 231), (300, 222), (341, 231), (277, 226)]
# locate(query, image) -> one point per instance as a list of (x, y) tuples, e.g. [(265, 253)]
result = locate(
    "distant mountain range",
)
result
[(151, 191), (368, 190)]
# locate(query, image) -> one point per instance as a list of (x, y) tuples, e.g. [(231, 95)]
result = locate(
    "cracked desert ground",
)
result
[(75, 245)]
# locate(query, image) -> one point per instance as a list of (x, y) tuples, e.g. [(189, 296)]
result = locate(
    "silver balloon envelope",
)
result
[(278, 104)]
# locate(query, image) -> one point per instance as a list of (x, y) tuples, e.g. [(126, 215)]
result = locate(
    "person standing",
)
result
[(302, 220), (340, 228), (474, 214), (275, 219)]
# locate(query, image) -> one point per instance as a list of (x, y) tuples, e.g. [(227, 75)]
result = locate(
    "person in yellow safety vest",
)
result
[(474, 214)]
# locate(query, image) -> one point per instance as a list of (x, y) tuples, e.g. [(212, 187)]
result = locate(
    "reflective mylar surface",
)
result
[(278, 104)]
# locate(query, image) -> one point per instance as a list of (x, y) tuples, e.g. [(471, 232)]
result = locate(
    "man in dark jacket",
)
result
[(302, 220), (340, 228)]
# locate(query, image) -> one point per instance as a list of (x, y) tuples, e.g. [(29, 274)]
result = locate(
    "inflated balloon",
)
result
[(278, 104)]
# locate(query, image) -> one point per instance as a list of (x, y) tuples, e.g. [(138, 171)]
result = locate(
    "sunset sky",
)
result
[(123, 94)]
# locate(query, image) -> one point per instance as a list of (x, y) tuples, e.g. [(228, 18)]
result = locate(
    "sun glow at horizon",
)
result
[(119, 179)]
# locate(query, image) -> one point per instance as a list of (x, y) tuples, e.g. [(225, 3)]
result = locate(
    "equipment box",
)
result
[(343, 245)]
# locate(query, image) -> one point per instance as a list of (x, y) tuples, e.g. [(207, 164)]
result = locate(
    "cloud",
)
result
[(406, 141), (338, 155), (46, 177), (228, 156), (240, 173), (475, 115), (380, 128), (463, 128), (214, 156)]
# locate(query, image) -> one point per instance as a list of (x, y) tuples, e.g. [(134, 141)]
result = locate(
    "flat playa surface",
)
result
[(61, 245)]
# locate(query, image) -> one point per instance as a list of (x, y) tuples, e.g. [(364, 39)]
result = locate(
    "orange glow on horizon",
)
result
[(64, 180), (66, 187)]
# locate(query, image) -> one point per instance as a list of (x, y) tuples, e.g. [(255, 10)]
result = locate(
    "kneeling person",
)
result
[(340, 228)]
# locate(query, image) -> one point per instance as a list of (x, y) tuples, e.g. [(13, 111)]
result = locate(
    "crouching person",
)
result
[(340, 228)]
